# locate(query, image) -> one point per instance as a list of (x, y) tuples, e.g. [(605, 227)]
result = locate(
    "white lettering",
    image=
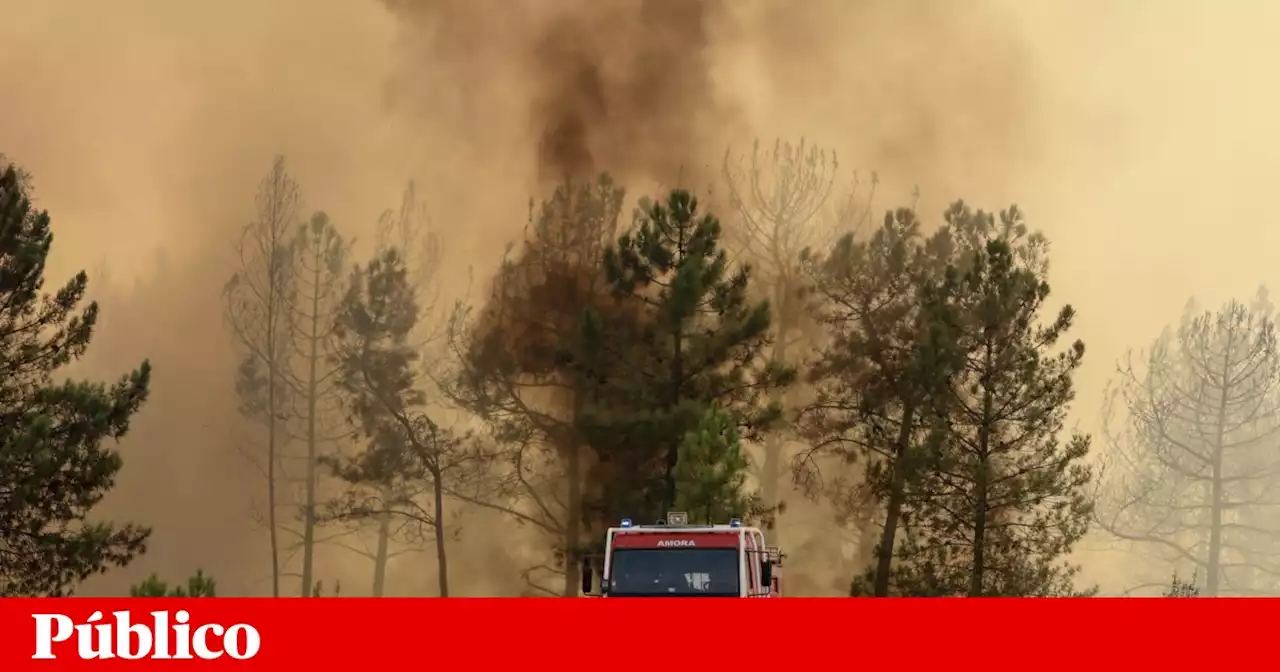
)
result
[(85, 638), (250, 646), (46, 638), (201, 642), (97, 640), (183, 631), (125, 632), (161, 619), (669, 543)]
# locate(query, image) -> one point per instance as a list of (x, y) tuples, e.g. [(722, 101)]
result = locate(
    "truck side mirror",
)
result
[(586, 576), (766, 573)]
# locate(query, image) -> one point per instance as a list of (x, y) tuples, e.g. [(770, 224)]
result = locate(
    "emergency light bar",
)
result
[(626, 522)]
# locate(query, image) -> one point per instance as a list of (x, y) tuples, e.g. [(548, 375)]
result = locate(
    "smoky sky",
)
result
[(1136, 134), (622, 85)]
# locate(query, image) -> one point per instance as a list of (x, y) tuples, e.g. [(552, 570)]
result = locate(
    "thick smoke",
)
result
[(926, 92), (623, 86), (652, 91), (152, 121)]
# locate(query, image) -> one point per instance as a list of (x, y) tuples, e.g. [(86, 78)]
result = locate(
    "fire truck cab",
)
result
[(675, 559)]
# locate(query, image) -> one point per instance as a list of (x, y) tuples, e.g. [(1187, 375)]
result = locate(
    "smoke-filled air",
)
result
[(427, 297)]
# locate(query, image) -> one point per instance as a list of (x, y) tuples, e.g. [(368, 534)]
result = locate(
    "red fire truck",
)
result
[(675, 559)]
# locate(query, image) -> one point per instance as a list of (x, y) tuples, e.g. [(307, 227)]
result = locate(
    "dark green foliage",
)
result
[(1004, 501), (376, 364), (515, 373), (711, 472), (198, 585), (684, 337), (939, 376), (889, 350), (56, 459), (376, 360)]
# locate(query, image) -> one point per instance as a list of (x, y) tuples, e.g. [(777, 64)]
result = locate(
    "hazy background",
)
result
[(1139, 134)]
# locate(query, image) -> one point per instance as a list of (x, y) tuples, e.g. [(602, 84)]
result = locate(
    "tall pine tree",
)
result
[(888, 351), (56, 456), (687, 338), (319, 252), (408, 457), (1194, 447), (514, 377), (1004, 501)]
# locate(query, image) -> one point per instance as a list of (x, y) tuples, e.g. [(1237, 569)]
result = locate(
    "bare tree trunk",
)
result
[(1214, 568), (381, 554), (771, 467), (673, 452), (257, 307), (442, 560), (271, 479), (893, 510), (977, 576), (309, 510), (573, 524), (1214, 565)]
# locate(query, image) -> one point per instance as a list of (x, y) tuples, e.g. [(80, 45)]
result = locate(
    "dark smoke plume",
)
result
[(616, 85)]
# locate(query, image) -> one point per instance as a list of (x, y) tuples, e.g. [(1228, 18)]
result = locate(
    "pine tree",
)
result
[(514, 375), (402, 472), (686, 338), (56, 459), (1196, 460), (258, 299), (711, 472), (888, 351), (319, 254), (1004, 501)]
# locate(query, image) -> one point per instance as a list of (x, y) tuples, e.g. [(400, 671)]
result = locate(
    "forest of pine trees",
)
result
[(910, 372)]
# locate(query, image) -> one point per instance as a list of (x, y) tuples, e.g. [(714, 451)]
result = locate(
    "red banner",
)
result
[(618, 634)]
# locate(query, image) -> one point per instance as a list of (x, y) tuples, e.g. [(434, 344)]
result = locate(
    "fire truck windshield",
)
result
[(674, 572)]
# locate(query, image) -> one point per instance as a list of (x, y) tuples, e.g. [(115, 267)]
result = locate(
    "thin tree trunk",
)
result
[(976, 578), (677, 380), (1214, 569), (673, 452), (442, 561), (893, 510), (381, 554), (771, 467), (573, 523), (309, 511), (271, 505), (271, 450)]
